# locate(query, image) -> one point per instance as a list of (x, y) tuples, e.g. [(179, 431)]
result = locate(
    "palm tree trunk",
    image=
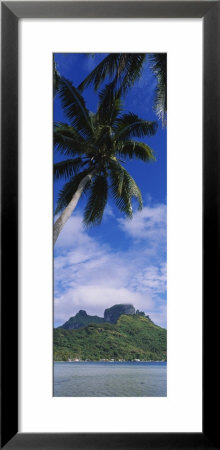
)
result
[(60, 222)]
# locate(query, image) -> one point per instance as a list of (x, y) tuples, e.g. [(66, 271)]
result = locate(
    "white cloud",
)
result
[(148, 232), (72, 234), (159, 316), (90, 275), (95, 299), (150, 224), (152, 279)]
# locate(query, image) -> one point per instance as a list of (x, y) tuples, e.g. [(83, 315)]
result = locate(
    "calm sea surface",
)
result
[(105, 379)]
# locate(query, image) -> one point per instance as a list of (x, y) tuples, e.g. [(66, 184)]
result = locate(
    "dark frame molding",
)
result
[(11, 11)]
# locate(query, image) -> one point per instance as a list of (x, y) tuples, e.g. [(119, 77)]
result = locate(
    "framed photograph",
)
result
[(115, 373)]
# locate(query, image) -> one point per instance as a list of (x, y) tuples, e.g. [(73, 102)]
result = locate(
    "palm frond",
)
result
[(124, 188), (69, 189), (123, 69), (68, 168), (110, 105), (104, 138), (133, 68), (130, 125), (56, 78), (97, 200), (68, 141), (75, 107), (133, 149), (105, 68), (158, 64)]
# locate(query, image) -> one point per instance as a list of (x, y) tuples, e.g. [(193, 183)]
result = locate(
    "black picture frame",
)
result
[(11, 12)]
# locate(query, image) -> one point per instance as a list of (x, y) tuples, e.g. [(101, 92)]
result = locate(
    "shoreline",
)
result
[(109, 361)]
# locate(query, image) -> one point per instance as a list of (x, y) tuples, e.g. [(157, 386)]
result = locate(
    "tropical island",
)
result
[(123, 334), (110, 221)]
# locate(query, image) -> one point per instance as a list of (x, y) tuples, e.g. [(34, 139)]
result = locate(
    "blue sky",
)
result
[(121, 260)]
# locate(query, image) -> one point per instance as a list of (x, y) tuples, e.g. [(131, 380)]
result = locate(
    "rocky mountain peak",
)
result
[(112, 314), (82, 313)]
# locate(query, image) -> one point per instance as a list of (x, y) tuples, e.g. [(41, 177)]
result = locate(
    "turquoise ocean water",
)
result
[(110, 379)]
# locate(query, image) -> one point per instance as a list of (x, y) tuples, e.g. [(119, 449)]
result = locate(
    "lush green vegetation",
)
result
[(81, 319), (132, 337)]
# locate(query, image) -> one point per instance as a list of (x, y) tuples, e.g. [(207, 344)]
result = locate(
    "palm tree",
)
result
[(123, 69), (93, 145)]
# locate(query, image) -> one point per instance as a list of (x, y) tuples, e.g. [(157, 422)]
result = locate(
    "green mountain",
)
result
[(81, 319), (111, 315), (132, 337)]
